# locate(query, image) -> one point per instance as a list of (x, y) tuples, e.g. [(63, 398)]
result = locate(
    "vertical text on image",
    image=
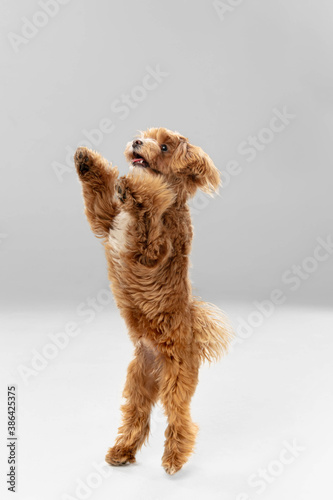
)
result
[(12, 438)]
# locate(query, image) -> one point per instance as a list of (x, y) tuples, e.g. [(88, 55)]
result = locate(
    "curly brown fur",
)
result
[(145, 224)]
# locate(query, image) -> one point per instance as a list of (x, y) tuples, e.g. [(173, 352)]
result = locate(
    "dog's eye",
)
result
[(164, 147)]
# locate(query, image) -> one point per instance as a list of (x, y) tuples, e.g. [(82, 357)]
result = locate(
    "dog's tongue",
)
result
[(136, 160)]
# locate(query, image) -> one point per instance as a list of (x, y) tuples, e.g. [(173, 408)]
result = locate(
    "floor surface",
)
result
[(265, 411)]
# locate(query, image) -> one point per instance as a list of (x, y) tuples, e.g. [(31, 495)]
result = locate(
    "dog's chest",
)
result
[(118, 235)]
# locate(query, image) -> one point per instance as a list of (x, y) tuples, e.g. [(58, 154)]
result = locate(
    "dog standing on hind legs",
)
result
[(144, 221)]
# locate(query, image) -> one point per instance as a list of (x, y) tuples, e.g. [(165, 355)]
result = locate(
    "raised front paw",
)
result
[(126, 193), (119, 456), (121, 189), (83, 160)]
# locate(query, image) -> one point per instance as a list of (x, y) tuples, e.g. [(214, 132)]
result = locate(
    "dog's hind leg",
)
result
[(98, 184), (178, 383), (141, 392)]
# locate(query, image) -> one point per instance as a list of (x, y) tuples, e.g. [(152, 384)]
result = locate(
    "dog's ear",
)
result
[(199, 168)]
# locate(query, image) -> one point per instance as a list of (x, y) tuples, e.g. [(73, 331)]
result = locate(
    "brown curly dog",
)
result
[(145, 224)]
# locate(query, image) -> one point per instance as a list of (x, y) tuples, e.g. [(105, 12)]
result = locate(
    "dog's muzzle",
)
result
[(136, 143)]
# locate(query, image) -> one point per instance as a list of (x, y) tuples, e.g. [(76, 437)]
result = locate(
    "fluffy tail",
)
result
[(211, 330)]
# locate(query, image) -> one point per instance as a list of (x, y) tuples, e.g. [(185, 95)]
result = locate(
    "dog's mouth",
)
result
[(139, 161)]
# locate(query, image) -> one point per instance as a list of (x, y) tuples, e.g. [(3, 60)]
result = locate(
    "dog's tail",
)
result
[(211, 330)]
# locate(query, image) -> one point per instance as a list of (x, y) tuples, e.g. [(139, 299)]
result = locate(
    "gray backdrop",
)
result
[(250, 82)]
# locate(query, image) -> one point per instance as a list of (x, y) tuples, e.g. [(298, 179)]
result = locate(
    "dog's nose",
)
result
[(137, 142)]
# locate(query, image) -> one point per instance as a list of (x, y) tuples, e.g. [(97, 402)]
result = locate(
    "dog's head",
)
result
[(161, 152)]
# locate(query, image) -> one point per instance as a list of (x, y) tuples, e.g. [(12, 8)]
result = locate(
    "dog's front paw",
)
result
[(83, 160), (121, 189), (119, 456), (128, 193)]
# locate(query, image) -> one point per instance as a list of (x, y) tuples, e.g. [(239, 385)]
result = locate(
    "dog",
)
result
[(144, 221)]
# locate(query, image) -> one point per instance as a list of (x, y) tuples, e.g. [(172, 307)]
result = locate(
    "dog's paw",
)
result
[(121, 189), (128, 193), (172, 464), (83, 160), (119, 456)]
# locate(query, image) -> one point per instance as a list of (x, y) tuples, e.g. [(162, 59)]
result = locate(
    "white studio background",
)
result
[(251, 82)]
